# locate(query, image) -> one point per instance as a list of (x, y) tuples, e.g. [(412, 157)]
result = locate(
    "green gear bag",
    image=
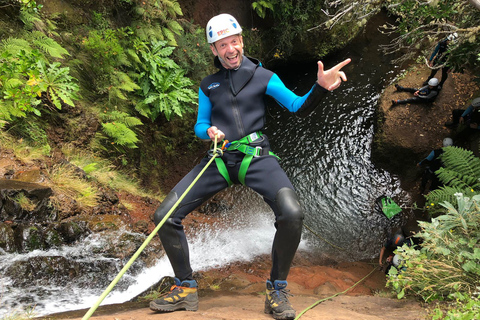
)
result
[(389, 207)]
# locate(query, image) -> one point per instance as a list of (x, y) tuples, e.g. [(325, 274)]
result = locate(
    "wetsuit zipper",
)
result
[(235, 111)]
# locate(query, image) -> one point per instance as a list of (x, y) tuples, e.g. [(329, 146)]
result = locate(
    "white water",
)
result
[(208, 249)]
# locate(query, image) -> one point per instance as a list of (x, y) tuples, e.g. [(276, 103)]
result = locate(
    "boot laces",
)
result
[(281, 296), (173, 291)]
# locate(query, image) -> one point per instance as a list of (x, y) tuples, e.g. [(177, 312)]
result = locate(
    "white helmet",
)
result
[(452, 37), (222, 26), (447, 142), (433, 82), (396, 260), (476, 102)]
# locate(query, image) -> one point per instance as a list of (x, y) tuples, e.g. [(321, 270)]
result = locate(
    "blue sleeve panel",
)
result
[(466, 112), (203, 117), (430, 157), (284, 97), (434, 52)]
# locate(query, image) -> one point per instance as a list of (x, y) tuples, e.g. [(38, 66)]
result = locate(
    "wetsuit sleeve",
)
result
[(435, 52), (203, 116), (430, 157), (300, 105), (466, 112)]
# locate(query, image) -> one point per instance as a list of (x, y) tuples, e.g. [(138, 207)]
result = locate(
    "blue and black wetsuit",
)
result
[(439, 56), (426, 94), (233, 101)]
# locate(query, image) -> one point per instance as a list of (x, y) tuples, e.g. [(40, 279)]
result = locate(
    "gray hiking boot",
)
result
[(276, 300), (182, 296)]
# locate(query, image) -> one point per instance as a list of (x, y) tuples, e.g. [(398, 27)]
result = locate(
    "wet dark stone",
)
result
[(37, 194), (7, 238)]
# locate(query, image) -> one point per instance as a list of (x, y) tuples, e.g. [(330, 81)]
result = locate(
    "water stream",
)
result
[(327, 157)]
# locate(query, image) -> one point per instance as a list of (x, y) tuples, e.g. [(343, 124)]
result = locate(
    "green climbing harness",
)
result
[(250, 152)]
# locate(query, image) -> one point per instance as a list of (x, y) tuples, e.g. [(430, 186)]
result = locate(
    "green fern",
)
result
[(460, 174), (48, 45), (461, 168), (119, 128), (34, 40)]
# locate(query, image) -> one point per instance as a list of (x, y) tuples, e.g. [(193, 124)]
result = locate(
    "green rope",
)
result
[(333, 245), (149, 238), (335, 295)]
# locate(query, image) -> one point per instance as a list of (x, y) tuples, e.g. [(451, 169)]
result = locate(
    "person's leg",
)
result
[(444, 76), (456, 114), (405, 89), (184, 294), (279, 193), (409, 100), (432, 74)]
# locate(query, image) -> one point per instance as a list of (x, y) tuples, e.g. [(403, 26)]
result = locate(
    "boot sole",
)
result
[(285, 315), (184, 305)]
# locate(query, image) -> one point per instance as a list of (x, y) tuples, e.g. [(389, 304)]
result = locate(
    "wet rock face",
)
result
[(28, 222), (26, 201)]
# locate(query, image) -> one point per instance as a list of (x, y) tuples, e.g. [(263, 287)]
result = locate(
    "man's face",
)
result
[(229, 50)]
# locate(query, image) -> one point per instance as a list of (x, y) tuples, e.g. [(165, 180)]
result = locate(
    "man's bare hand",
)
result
[(331, 78), (214, 131)]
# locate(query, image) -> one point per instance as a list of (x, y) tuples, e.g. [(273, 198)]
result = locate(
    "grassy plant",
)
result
[(104, 172), (24, 202), (22, 150), (64, 180)]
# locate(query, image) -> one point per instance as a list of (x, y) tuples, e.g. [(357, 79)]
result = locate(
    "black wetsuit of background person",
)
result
[(433, 163), (425, 94), (439, 57)]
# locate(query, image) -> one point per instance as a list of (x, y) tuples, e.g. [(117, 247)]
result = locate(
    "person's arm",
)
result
[(304, 105), (203, 128), (430, 157), (468, 111), (434, 53), (380, 259)]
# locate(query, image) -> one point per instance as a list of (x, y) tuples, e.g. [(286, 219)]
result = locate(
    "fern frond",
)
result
[(15, 45), (121, 134), (443, 194), (175, 27), (170, 36), (461, 160), (48, 45)]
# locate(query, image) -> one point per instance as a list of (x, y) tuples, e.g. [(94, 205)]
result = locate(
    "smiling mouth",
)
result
[(232, 58)]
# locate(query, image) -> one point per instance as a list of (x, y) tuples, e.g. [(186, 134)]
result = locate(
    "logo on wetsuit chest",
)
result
[(213, 86)]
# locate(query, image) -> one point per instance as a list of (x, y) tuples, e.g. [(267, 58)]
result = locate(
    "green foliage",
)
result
[(159, 20), (261, 7), (423, 24), (464, 308), (118, 128), (25, 77), (56, 83), (194, 55), (460, 174), (29, 12), (107, 59), (449, 259), (164, 88)]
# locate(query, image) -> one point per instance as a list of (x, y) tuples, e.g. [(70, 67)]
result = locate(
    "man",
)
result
[(232, 107), (395, 241), (423, 95), (469, 117), (433, 163), (439, 58)]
